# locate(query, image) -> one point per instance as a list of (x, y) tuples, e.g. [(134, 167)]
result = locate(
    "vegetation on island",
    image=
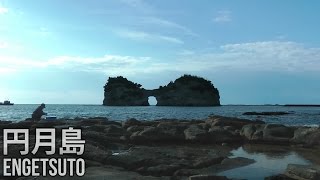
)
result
[(119, 90), (187, 90)]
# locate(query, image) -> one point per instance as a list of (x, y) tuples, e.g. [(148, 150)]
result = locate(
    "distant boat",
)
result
[(8, 103)]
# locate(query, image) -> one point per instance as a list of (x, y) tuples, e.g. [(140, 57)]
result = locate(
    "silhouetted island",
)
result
[(7, 103), (187, 90), (302, 105)]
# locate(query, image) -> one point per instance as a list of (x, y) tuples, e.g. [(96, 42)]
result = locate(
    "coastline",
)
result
[(297, 115), (168, 148)]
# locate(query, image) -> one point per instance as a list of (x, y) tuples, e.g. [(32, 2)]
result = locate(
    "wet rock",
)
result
[(135, 128), (131, 122), (221, 135), (252, 131), (162, 170), (185, 172), (227, 121), (306, 172), (19, 125), (5, 122), (113, 130), (90, 122), (267, 133), (306, 135), (166, 160), (102, 173), (109, 143), (159, 134), (175, 124), (277, 132), (95, 153), (278, 177), (100, 138), (205, 126), (196, 133), (96, 128), (206, 161), (207, 177)]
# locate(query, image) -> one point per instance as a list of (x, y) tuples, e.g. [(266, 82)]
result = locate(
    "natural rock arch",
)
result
[(185, 91), (152, 100)]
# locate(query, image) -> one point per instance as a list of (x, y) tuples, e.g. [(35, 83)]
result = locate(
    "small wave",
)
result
[(311, 125)]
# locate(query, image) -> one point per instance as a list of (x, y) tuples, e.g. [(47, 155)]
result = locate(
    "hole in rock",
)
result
[(152, 101)]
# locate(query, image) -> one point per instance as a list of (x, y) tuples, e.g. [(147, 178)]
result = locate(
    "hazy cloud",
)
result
[(3, 10), (186, 52), (223, 16), (253, 56), (139, 5), (148, 37), (265, 55), (6, 70), (3, 45), (44, 32), (168, 24)]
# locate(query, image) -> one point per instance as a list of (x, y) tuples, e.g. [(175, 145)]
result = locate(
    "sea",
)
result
[(307, 116)]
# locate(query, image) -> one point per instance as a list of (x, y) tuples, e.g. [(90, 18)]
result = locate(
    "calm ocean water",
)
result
[(299, 116)]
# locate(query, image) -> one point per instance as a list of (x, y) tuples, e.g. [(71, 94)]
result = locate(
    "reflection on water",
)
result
[(269, 163)]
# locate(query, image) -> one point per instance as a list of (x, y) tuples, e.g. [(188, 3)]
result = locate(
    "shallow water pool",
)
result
[(268, 162)]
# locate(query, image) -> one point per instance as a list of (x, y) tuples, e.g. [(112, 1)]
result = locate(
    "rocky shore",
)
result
[(176, 149)]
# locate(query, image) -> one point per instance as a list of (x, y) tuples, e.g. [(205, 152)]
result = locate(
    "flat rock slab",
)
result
[(166, 160), (104, 173), (207, 177), (307, 172)]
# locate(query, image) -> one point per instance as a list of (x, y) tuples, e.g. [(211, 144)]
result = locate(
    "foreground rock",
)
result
[(306, 135), (169, 148), (207, 177), (105, 172), (308, 172), (272, 133), (299, 172)]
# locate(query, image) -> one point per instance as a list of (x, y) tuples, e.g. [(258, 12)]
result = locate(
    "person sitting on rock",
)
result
[(36, 115)]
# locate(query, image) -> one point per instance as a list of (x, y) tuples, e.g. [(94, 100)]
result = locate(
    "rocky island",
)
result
[(187, 90)]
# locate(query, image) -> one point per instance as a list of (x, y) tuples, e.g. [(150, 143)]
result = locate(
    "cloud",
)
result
[(108, 64), (269, 56), (6, 70), (16, 63), (186, 52), (253, 56), (259, 56), (168, 24), (44, 32), (148, 37), (112, 59), (223, 16), (3, 10), (3, 45), (140, 5)]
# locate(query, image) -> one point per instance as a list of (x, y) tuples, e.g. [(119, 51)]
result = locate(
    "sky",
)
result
[(254, 52)]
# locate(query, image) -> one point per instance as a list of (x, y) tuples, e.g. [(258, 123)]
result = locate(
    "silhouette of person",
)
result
[(36, 115)]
